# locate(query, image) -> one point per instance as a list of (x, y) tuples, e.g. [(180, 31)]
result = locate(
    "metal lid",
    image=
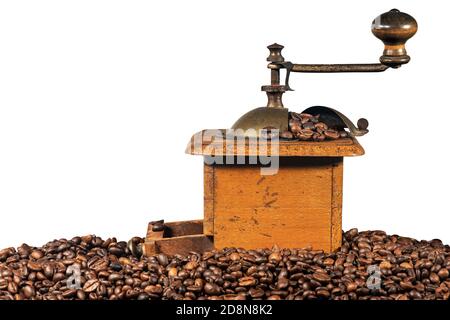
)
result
[(267, 117)]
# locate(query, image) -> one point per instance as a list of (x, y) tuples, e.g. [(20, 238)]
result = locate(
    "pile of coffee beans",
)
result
[(369, 265), (307, 127)]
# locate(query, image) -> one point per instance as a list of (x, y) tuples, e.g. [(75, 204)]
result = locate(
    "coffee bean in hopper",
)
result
[(332, 134), (287, 135), (305, 134), (307, 127)]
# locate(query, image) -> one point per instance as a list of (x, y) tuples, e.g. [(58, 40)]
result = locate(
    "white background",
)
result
[(98, 100)]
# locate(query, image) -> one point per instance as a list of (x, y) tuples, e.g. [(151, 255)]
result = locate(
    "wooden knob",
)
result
[(394, 28)]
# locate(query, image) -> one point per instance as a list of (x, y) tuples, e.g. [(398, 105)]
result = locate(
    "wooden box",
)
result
[(298, 206)]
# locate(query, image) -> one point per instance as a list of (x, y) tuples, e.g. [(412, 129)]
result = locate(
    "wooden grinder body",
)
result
[(298, 206)]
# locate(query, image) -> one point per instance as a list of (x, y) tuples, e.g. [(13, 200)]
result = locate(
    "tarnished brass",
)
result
[(330, 68), (274, 114), (262, 117), (275, 53), (338, 120), (394, 28), (135, 247)]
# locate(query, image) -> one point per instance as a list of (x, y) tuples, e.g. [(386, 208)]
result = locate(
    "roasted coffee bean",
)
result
[(101, 290), (159, 226), (12, 287), (309, 125), (81, 295), (443, 273), (410, 270), (406, 285), (315, 128), (413, 294), (305, 117), (191, 265), (91, 285), (154, 289), (295, 115), (351, 286), (3, 284), (321, 126), (173, 272), (275, 257), (385, 265), (5, 253), (98, 264), (162, 259), (115, 266), (69, 293), (323, 293), (287, 135), (143, 296), (36, 254), (351, 234), (321, 277), (305, 134), (118, 252), (59, 276), (434, 278), (113, 277), (332, 134), (318, 136), (315, 118), (282, 283), (295, 127), (235, 256), (256, 292), (34, 266), (247, 282), (28, 291), (212, 289), (194, 288), (293, 123)]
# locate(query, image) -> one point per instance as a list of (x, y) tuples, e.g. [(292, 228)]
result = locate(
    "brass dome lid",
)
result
[(263, 117)]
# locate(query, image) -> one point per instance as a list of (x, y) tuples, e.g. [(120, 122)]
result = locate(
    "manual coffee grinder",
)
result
[(301, 204)]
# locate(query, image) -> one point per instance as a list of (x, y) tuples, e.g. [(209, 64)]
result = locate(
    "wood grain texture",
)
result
[(293, 208), (265, 227), (183, 228), (178, 245), (336, 204), (329, 148), (149, 248), (176, 229), (154, 234), (208, 199)]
